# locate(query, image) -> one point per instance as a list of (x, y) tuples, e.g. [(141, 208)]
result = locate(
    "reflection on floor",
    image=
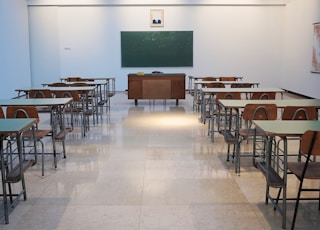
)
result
[(150, 166)]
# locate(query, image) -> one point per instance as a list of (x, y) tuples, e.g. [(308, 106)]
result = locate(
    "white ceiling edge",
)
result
[(155, 3)]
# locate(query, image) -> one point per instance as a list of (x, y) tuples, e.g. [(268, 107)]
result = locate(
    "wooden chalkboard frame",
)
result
[(156, 48)]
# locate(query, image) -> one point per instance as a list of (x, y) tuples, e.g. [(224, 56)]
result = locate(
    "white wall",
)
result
[(242, 40), (44, 45), (298, 37), (14, 46)]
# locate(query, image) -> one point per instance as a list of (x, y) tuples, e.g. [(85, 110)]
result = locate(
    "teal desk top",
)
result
[(15, 125), (36, 101)]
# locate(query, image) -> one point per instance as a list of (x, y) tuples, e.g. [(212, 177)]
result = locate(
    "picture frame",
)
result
[(156, 18), (316, 48)]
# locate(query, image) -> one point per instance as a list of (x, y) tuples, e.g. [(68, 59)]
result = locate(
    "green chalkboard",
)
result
[(156, 48)]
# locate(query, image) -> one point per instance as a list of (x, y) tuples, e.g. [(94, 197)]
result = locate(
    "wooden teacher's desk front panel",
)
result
[(156, 86)]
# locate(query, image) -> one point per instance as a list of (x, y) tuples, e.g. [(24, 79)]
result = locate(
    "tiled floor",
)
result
[(149, 167)]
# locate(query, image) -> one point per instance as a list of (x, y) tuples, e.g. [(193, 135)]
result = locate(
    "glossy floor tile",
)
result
[(149, 167)]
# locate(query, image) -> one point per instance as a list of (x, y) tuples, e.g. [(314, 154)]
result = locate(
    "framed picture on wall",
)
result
[(316, 48), (156, 18)]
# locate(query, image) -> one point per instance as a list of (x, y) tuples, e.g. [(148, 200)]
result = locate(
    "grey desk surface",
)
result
[(55, 89), (280, 103), (199, 82), (89, 83), (287, 128), (36, 101), (241, 90), (91, 78)]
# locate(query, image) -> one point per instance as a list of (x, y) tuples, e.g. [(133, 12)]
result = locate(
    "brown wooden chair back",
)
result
[(215, 85), (228, 95), (209, 79), (58, 84), (40, 93), (306, 146), (1, 113), (299, 113), (227, 78), (260, 112), (76, 84), (241, 85), (263, 96), (22, 112), (72, 79), (72, 93)]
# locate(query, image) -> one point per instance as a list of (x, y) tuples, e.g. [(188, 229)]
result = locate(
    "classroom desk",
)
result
[(191, 80), (273, 129), (16, 127), (55, 89), (81, 89), (57, 103), (89, 103), (102, 89), (238, 104), (198, 84), (75, 88), (88, 83), (227, 104), (110, 80), (54, 102), (212, 91)]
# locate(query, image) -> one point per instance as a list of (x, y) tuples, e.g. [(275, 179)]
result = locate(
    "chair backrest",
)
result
[(215, 85), (209, 79), (241, 85), (79, 84), (2, 113), (299, 113), (58, 84), (310, 143), (263, 96), (227, 78), (72, 93), (260, 112), (22, 112), (228, 95), (87, 79), (72, 79), (40, 93)]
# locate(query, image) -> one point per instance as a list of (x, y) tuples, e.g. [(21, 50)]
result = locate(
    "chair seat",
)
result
[(60, 136), (313, 170), (250, 132), (221, 112), (39, 133)]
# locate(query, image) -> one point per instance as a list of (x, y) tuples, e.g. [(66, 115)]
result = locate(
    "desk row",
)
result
[(254, 130)]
